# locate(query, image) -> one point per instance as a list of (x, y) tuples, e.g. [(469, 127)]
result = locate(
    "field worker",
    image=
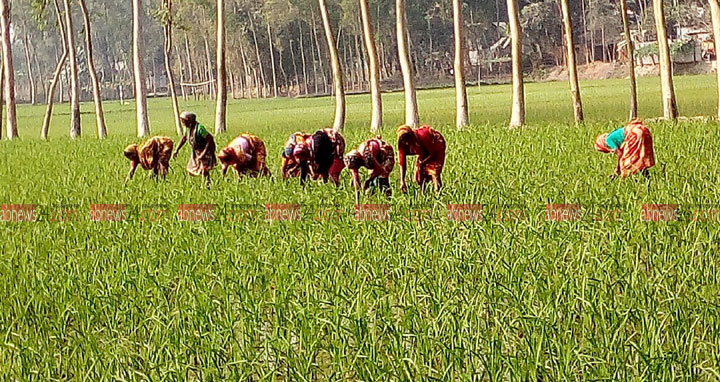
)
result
[(327, 148), (153, 154), (296, 156), (429, 145), (633, 146), (202, 143), (246, 154), (379, 158)]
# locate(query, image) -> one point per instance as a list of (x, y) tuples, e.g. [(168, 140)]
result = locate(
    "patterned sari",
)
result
[(155, 153), (431, 161), (235, 155), (636, 152), (338, 151), (382, 153)]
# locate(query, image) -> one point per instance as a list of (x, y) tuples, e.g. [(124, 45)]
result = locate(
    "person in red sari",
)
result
[(379, 158), (246, 154), (319, 155), (296, 156), (429, 145), (328, 148), (633, 146), (153, 154)]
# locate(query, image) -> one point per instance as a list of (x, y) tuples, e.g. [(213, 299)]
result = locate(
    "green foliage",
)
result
[(404, 300)]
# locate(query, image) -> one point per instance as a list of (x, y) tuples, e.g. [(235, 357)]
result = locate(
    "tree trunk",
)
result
[(336, 70), (143, 128), (295, 68), (191, 73), (97, 97), (517, 117), (319, 55), (257, 54), (411, 109), (631, 56), (75, 128), (246, 73), (31, 78), (9, 84), (208, 68), (374, 67), (272, 61), (461, 119), (167, 28), (715, 10), (182, 74), (668, 90), (571, 62), (2, 91), (56, 75), (302, 57), (221, 103)]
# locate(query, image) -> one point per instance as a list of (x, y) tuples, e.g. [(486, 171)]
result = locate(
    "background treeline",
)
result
[(277, 47)]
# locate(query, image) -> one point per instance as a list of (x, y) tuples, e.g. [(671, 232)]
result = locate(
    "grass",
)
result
[(331, 298)]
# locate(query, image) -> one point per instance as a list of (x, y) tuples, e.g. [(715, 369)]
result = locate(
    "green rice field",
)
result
[(244, 296)]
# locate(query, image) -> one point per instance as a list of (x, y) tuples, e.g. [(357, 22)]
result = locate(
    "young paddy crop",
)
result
[(327, 297)]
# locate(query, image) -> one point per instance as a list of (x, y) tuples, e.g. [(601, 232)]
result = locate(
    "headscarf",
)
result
[(404, 129), (601, 144), (131, 152)]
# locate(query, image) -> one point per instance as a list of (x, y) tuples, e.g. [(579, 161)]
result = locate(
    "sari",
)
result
[(636, 152), (199, 138), (247, 153)]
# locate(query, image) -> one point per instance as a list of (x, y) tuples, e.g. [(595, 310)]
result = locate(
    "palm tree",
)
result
[(373, 66), (412, 118), (571, 63), (668, 90), (461, 119), (9, 71), (97, 97), (631, 58), (143, 128), (221, 73), (517, 117), (75, 129), (336, 70)]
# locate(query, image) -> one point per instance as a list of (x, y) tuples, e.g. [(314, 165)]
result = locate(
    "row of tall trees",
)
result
[(275, 47)]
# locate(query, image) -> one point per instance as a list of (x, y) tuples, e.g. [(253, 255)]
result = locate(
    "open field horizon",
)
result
[(419, 297)]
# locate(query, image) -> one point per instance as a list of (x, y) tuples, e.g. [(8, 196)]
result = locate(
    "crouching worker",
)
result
[(429, 145), (153, 154), (246, 154), (633, 146), (327, 149), (379, 158), (202, 144), (296, 156)]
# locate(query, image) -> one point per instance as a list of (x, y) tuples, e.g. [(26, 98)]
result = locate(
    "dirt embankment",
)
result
[(605, 70)]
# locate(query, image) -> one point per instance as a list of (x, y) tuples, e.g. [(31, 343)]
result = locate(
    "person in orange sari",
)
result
[(379, 158), (246, 154), (429, 145), (633, 146), (153, 154)]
